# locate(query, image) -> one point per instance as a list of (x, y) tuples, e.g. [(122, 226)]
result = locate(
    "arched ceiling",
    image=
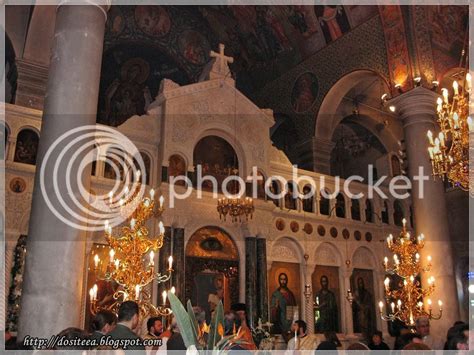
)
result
[(175, 41)]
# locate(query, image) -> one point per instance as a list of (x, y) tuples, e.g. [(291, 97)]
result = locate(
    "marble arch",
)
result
[(327, 254), (40, 37), (183, 156), (364, 258), (335, 107), (227, 136), (288, 249)]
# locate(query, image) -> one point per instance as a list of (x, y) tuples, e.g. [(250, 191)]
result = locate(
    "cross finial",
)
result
[(221, 60)]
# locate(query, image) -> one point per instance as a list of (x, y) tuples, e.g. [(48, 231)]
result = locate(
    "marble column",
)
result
[(53, 281), (346, 306), (10, 149), (262, 284), (251, 279), (309, 308), (417, 109), (178, 256)]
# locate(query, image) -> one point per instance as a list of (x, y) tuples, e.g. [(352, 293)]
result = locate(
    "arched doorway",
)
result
[(212, 270)]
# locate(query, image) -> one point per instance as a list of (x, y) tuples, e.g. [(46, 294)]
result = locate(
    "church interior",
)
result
[(124, 124)]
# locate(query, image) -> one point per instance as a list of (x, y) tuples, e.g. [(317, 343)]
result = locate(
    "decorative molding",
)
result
[(284, 251), (363, 259), (32, 81), (327, 255)]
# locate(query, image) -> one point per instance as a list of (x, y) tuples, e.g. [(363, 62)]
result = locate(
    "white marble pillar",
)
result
[(10, 149), (53, 280), (309, 309), (417, 109), (346, 306)]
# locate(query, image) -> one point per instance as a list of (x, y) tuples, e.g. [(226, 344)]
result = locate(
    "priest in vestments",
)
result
[(244, 333)]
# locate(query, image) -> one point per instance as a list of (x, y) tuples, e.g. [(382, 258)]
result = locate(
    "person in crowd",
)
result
[(155, 328), (377, 342), (357, 346), (10, 341), (422, 326), (402, 331), (458, 342), (408, 338), (229, 321), (332, 337), (72, 334), (456, 329), (244, 332), (417, 347), (175, 341), (327, 345), (103, 323), (300, 340), (128, 319)]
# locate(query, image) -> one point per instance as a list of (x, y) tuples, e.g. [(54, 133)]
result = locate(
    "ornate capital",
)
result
[(416, 106)]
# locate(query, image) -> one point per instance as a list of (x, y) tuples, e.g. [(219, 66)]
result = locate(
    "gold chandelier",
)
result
[(449, 152), (407, 299), (131, 260), (236, 208)]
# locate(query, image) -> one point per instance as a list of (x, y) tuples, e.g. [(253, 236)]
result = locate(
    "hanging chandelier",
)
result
[(131, 260), (449, 151), (237, 208), (405, 295)]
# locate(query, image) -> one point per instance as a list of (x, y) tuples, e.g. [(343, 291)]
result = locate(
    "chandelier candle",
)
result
[(131, 262), (408, 293), (449, 152)]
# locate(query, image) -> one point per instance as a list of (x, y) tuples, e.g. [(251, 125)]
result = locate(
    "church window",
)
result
[(275, 190), (217, 158), (324, 203), (114, 164), (176, 167), (369, 212), (308, 199), (340, 206), (290, 195), (26, 147), (355, 209)]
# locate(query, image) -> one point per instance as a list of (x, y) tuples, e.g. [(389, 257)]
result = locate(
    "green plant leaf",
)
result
[(192, 317), (218, 318), (184, 321)]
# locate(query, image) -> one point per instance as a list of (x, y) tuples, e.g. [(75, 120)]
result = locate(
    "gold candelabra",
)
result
[(236, 208), (449, 152), (131, 263), (407, 299)]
